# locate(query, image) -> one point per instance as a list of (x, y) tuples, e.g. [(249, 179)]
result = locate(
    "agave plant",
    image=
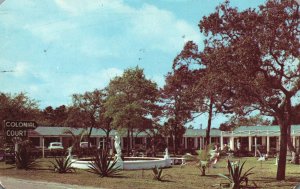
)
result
[(23, 157), (63, 165), (236, 178), (157, 174), (103, 165)]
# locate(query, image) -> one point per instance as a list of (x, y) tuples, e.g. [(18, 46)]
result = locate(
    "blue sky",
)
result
[(61, 47)]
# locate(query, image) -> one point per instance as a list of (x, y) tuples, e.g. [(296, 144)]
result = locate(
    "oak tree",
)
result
[(131, 99), (255, 53)]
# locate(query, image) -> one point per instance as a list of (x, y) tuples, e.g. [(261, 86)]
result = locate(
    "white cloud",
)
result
[(51, 31), (79, 7), (149, 26), (87, 32), (96, 47), (79, 83), (20, 69), (162, 30), (76, 7)]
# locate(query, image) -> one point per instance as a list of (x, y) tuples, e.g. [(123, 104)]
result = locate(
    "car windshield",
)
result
[(84, 144), (56, 145)]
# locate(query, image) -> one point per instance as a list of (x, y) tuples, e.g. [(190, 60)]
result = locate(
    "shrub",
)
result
[(24, 159), (62, 165), (236, 178), (103, 165), (204, 159)]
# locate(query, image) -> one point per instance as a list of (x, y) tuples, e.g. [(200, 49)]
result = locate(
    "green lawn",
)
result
[(185, 177)]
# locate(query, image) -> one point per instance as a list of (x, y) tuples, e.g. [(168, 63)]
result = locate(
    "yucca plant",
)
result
[(157, 174), (236, 178), (63, 165), (103, 165), (23, 157), (204, 159)]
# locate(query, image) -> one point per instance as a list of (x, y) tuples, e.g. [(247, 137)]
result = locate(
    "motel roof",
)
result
[(61, 131), (201, 132), (272, 130), (241, 131)]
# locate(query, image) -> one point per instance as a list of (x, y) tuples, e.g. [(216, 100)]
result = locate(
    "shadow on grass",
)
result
[(5, 168), (265, 180), (167, 181), (289, 181), (210, 176), (293, 179), (118, 176)]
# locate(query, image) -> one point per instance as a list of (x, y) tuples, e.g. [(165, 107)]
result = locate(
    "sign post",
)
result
[(15, 131)]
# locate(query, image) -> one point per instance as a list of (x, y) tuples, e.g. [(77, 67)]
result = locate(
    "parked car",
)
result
[(55, 146), (84, 144)]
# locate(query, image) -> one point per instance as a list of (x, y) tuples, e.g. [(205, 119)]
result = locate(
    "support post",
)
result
[(185, 142), (268, 144), (221, 141), (200, 143), (255, 144), (294, 141), (43, 145), (97, 142), (231, 145), (249, 143)]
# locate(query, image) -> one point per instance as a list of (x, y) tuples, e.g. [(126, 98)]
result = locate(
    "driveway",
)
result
[(14, 183)]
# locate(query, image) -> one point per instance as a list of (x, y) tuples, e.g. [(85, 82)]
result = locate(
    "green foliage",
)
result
[(56, 117), (157, 174), (236, 178), (103, 165), (237, 120), (130, 98), (23, 156), (88, 111), (205, 155), (17, 107), (63, 165), (254, 56)]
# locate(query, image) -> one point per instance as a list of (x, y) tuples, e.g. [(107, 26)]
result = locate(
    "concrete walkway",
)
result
[(14, 183)]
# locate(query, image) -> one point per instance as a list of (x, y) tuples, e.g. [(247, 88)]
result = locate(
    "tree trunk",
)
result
[(282, 153), (89, 138), (175, 140), (107, 140), (284, 120), (128, 142), (132, 146), (210, 111)]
